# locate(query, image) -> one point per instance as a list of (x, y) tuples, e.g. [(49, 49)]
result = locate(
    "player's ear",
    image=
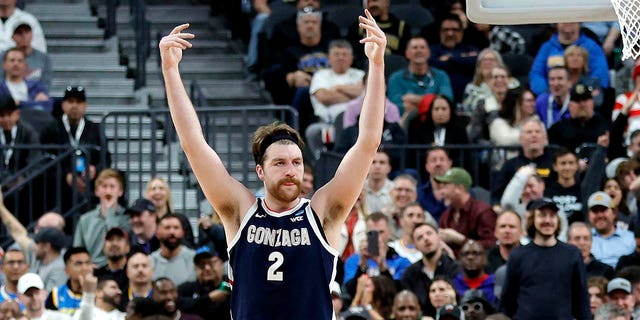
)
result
[(260, 172)]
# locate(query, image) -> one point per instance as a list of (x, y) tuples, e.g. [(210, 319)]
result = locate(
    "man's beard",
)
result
[(171, 245), (282, 196), (430, 255), (112, 300), (115, 257)]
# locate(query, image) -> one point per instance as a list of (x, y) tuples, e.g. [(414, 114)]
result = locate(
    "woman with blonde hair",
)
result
[(576, 59), (478, 88), (159, 193)]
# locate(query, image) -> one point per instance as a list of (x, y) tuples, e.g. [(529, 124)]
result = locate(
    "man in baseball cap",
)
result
[(609, 242), (620, 292), (32, 294), (144, 223), (116, 248), (466, 218)]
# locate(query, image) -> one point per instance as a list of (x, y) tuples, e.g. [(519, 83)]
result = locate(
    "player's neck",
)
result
[(279, 206)]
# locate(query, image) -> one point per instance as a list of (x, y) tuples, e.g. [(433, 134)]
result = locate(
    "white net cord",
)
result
[(627, 12)]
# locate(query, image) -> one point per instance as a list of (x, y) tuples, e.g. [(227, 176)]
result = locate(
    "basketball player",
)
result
[(282, 247)]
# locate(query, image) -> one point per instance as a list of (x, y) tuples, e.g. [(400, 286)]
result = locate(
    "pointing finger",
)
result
[(179, 28)]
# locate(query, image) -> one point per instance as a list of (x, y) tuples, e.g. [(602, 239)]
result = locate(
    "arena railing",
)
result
[(36, 188), (143, 144), (142, 28), (482, 161)]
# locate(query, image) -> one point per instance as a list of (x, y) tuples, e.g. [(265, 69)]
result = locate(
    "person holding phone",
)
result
[(375, 257)]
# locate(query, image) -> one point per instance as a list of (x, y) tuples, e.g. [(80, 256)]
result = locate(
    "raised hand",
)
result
[(375, 41), (171, 46)]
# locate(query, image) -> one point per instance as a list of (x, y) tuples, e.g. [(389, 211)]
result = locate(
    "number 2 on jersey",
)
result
[(272, 273)]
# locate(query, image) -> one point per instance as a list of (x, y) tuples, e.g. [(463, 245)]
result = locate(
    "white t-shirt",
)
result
[(325, 79), (53, 315), (19, 91)]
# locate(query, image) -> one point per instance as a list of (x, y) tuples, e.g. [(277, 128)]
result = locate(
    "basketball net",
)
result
[(627, 12)]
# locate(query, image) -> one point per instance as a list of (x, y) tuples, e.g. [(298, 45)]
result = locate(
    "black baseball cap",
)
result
[(141, 205), (116, 231), (542, 203), (77, 92), (7, 103), (51, 235), (581, 92)]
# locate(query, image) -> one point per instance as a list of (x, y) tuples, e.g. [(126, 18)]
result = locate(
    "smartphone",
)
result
[(372, 240)]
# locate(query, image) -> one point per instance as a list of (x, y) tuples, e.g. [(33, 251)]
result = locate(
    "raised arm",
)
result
[(228, 196), (333, 201), (16, 230)]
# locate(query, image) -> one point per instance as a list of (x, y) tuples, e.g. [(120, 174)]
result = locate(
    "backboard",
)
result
[(511, 12)]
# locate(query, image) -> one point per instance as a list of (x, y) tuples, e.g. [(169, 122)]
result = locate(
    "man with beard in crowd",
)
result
[(435, 262), (166, 294), (100, 300), (526, 292), (209, 296), (116, 248), (173, 258)]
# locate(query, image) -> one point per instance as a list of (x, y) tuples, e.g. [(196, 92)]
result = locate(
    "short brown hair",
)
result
[(276, 132), (109, 173)]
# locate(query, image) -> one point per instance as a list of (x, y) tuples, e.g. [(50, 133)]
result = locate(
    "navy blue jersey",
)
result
[(280, 265)]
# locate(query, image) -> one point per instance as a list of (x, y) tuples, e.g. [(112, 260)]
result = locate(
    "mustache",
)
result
[(289, 180)]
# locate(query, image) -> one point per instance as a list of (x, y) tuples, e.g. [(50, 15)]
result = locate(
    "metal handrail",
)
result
[(110, 28), (142, 28), (197, 95)]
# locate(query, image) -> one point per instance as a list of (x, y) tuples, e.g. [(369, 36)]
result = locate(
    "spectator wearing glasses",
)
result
[(473, 260), (453, 55), (475, 305)]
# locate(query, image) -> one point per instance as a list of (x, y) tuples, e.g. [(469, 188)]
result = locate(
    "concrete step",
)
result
[(126, 32), (104, 58), (96, 70), (71, 22), (56, 32), (75, 45), (200, 46), (49, 9), (94, 83)]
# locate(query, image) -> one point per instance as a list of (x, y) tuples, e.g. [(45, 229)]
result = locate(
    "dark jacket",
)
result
[(415, 280)]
